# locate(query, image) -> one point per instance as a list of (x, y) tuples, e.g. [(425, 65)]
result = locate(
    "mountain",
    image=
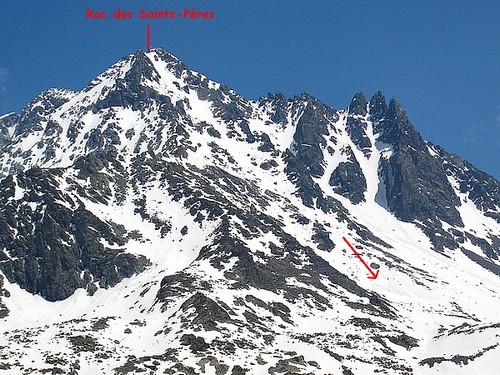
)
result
[(159, 222)]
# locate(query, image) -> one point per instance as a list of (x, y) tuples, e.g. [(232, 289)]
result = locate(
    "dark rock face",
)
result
[(207, 313), (268, 164), (348, 179), (358, 105), (195, 343), (54, 245), (7, 124), (322, 238), (277, 106), (233, 110), (489, 250), (109, 266), (288, 366), (250, 138), (238, 370), (417, 177), (404, 340), (457, 359), (307, 188), (309, 134), (481, 188), (416, 184), (378, 109), (128, 91), (3, 293), (32, 121), (304, 161), (32, 117), (490, 266), (357, 125)]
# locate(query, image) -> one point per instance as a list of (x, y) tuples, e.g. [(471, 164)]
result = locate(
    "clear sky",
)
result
[(440, 59)]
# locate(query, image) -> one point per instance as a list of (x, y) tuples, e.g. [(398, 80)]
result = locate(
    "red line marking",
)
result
[(374, 275), (148, 38)]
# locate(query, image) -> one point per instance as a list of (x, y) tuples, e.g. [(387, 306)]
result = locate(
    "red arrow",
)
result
[(148, 38), (374, 275)]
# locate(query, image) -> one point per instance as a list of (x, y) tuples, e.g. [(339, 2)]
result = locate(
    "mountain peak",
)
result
[(358, 105), (162, 54), (395, 109), (378, 106), (156, 53), (141, 67)]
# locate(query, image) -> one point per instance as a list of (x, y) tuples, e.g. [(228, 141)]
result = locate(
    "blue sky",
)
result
[(440, 59)]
